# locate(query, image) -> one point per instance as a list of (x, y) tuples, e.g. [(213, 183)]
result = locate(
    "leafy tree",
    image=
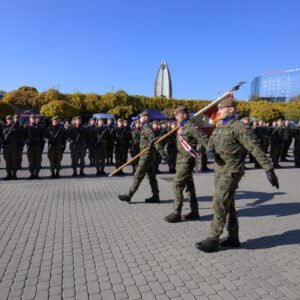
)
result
[(243, 108), (92, 103), (266, 113), (122, 111), (49, 96), (292, 111), (5, 109), (59, 108), (77, 100), (24, 97)]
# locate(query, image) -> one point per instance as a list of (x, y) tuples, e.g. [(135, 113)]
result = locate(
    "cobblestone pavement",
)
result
[(72, 239)]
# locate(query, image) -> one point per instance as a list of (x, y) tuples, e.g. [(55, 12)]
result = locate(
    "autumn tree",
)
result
[(23, 98), (59, 108), (49, 96)]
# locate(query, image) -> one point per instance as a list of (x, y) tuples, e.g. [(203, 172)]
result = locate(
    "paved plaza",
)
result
[(73, 239)]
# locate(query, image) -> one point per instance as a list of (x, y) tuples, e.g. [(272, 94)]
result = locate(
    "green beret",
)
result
[(180, 109), (227, 102)]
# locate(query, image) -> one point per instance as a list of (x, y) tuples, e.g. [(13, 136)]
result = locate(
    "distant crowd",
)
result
[(107, 144)]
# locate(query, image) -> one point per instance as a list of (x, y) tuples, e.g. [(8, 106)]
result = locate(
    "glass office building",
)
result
[(281, 86)]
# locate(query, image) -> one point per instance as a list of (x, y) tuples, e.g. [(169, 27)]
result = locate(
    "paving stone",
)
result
[(72, 238)]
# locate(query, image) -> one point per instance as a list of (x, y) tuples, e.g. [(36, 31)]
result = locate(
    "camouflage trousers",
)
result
[(145, 166), (184, 180), (10, 155), (55, 156), (100, 155), (77, 157), (120, 156), (224, 206), (275, 152), (34, 154)]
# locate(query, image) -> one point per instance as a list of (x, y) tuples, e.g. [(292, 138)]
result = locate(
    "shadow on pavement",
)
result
[(291, 237), (279, 210), (260, 197)]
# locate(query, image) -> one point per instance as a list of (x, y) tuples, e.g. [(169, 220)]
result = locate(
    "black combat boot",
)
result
[(230, 242), (208, 245), (102, 172), (57, 174), (192, 216), (173, 218), (74, 172), (82, 173), (153, 199), (125, 198), (8, 176), (31, 176), (14, 176)]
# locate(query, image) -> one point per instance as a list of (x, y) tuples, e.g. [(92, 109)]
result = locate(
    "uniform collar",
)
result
[(228, 119), (182, 123)]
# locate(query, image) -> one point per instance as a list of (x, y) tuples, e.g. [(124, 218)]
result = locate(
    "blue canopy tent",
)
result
[(154, 115)]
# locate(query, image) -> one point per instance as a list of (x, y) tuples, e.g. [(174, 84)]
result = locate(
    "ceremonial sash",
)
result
[(185, 144)]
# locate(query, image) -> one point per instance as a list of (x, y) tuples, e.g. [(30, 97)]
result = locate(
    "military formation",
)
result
[(106, 144), (183, 145), (100, 142)]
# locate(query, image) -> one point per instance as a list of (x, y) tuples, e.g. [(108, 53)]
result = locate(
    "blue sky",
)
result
[(99, 46)]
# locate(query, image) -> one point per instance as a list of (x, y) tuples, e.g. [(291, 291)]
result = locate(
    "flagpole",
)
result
[(203, 110)]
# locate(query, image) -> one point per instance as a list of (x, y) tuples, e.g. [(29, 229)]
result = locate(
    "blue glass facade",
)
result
[(281, 87)]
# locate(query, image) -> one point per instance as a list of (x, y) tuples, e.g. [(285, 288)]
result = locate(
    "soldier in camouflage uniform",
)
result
[(56, 136), (120, 145), (276, 142), (110, 142), (188, 136), (128, 140), (146, 163), (172, 149), (20, 144), (90, 141), (77, 136), (12, 138), (135, 145), (100, 134), (34, 137), (228, 145), (287, 140), (296, 136)]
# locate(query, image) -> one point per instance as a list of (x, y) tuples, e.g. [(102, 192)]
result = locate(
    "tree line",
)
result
[(53, 102)]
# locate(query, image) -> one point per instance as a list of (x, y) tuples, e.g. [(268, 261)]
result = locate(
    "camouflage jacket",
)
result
[(146, 137), (193, 136), (56, 135), (12, 135), (78, 136), (100, 136), (33, 135), (231, 142)]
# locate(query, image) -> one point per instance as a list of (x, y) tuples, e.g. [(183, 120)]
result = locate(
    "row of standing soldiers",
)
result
[(103, 142), (276, 140)]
